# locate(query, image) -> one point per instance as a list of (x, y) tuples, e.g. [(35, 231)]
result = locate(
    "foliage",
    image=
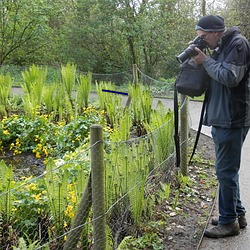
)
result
[(83, 90), (161, 126), (106, 36), (6, 184), (30, 204), (34, 81), (147, 241), (109, 102), (68, 74), (45, 138), (23, 28), (5, 90), (22, 245), (141, 106), (51, 200), (46, 205)]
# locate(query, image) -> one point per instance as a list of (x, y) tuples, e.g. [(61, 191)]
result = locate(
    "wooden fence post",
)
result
[(135, 74), (98, 194), (80, 218), (135, 82)]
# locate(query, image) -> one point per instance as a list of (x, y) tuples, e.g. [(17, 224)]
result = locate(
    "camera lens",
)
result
[(187, 53)]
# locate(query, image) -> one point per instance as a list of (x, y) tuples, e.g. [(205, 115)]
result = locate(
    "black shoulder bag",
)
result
[(191, 81)]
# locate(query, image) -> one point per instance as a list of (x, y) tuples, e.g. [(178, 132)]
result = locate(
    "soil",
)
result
[(25, 164), (186, 223)]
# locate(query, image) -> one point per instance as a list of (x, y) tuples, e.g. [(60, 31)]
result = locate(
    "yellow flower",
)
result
[(6, 132), (14, 209), (73, 199), (31, 187), (69, 211), (37, 197), (38, 156)]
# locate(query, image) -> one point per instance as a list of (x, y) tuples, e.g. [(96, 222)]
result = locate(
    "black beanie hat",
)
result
[(211, 23)]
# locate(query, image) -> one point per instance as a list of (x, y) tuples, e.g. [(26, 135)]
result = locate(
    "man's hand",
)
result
[(200, 58)]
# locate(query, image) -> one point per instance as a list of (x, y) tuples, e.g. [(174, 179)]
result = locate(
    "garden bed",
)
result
[(178, 221)]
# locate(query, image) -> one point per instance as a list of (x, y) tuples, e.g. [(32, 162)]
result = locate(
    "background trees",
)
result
[(107, 36)]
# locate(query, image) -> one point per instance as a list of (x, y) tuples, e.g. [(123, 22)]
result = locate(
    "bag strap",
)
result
[(199, 127), (176, 126)]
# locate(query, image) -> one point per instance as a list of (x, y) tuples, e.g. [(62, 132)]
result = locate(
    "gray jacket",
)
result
[(228, 103)]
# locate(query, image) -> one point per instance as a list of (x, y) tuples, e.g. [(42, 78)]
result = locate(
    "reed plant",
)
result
[(109, 102), (48, 98), (104, 97), (56, 184), (122, 126), (126, 172), (6, 184), (56, 187), (62, 106), (83, 91), (5, 90), (34, 80), (141, 105), (68, 75), (161, 132)]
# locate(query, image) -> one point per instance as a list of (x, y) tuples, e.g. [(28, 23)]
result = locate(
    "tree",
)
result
[(237, 12), (21, 21)]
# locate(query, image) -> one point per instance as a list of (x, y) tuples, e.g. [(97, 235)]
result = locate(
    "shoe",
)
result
[(241, 219), (221, 231)]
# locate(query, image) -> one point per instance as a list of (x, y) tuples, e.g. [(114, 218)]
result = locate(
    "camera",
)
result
[(190, 51)]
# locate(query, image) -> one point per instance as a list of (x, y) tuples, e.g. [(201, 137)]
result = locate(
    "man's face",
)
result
[(211, 38)]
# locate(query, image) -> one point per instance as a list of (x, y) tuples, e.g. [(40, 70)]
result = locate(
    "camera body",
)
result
[(190, 51)]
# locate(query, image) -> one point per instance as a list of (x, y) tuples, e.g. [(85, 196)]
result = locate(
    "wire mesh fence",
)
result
[(55, 210), (48, 209)]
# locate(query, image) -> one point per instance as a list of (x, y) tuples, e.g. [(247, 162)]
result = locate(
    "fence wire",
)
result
[(48, 203), (44, 210)]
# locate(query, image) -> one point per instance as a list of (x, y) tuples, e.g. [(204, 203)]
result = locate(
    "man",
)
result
[(228, 112)]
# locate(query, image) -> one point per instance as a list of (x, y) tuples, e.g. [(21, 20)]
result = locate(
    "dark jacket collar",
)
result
[(233, 31), (228, 35)]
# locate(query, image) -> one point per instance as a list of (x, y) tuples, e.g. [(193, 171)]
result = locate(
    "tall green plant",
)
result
[(137, 178), (62, 106), (6, 184), (104, 97), (56, 184), (68, 74), (161, 128), (109, 102), (33, 85), (83, 91), (48, 98), (122, 126), (141, 103), (126, 171), (5, 90)]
